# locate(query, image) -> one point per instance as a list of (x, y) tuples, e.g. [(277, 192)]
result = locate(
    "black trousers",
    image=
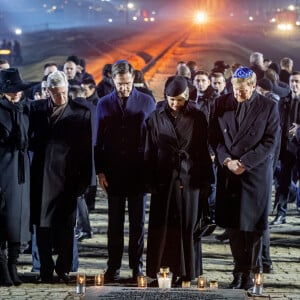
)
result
[(245, 248), (62, 237), (116, 218)]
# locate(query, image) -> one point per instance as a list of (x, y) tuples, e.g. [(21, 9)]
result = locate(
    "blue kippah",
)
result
[(243, 72), (121, 61)]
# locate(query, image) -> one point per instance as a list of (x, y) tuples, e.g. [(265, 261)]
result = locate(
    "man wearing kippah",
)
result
[(180, 174), (244, 131)]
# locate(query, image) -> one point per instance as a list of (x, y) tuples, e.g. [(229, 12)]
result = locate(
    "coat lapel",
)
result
[(251, 116)]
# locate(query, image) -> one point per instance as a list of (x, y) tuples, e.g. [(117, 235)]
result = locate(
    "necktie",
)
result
[(241, 112)]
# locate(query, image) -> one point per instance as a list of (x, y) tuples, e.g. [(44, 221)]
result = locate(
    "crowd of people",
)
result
[(208, 154)]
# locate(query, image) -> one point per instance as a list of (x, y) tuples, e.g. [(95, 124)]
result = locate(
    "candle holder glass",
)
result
[(201, 284), (258, 284), (164, 278), (80, 283), (99, 279), (186, 284), (142, 281), (213, 284)]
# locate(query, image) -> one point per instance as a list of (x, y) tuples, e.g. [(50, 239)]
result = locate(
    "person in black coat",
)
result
[(14, 173), (61, 170), (180, 171), (244, 132), (119, 150), (289, 156)]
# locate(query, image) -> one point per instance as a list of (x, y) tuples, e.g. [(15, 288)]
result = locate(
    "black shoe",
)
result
[(268, 269), (237, 281), (222, 237), (278, 220), (14, 274), (64, 277), (45, 279), (247, 282), (111, 276), (83, 235)]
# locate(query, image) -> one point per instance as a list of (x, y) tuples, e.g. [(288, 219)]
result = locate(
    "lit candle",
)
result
[(99, 279), (201, 282), (214, 284), (164, 278), (142, 281), (164, 283), (258, 284), (186, 284), (80, 283)]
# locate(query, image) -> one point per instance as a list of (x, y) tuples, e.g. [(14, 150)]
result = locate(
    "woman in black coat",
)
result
[(181, 169), (14, 174)]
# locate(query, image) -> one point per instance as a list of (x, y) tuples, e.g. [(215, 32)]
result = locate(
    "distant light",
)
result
[(250, 18), (134, 18), (153, 12), (90, 7), (146, 19), (273, 20), (291, 7), (130, 5), (18, 31), (110, 20), (201, 17), (152, 19), (285, 27), (54, 7), (45, 5), (231, 14), (298, 23), (5, 51)]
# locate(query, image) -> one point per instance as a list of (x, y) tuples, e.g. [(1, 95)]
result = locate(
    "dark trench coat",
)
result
[(14, 171), (242, 201), (179, 166), (62, 162)]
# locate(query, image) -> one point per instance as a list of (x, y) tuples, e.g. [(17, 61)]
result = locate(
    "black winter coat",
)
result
[(62, 163), (242, 200), (180, 166), (14, 171)]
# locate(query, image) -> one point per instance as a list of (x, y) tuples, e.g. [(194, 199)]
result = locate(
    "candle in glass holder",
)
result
[(258, 284), (186, 284), (80, 283), (164, 278), (213, 284), (201, 282), (99, 279), (142, 281)]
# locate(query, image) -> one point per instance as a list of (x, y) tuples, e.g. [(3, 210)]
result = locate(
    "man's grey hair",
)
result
[(122, 67), (57, 79), (286, 63), (256, 58)]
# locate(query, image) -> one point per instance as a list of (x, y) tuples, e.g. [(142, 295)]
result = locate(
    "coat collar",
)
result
[(254, 110)]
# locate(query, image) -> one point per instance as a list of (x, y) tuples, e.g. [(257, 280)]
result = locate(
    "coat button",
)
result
[(225, 130)]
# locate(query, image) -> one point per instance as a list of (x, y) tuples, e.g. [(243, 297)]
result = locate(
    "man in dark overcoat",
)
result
[(14, 173), (61, 170), (289, 111), (180, 170), (119, 156), (244, 133)]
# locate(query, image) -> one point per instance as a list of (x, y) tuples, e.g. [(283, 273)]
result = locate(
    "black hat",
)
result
[(11, 82), (220, 64), (275, 66), (265, 84), (177, 86)]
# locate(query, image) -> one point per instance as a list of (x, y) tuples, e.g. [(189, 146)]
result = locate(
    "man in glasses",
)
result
[(244, 132)]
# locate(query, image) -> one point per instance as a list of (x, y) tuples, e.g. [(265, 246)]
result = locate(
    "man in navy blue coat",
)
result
[(119, 150), (245, 129)]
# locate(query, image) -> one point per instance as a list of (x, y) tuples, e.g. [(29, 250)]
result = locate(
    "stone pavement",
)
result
[(217, 262)]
